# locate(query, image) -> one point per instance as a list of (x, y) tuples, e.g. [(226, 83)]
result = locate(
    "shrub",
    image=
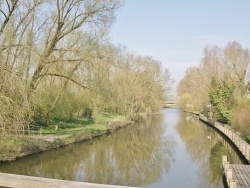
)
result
[(87, 113), (222, 98), (15, 108), (240, 118)]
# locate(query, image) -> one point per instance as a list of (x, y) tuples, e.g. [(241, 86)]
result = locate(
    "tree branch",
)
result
[(13, 7), (66, 77)]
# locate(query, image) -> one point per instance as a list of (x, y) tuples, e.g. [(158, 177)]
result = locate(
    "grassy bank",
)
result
[(59, 134)]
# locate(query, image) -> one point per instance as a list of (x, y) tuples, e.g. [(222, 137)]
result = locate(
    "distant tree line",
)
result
[(56, 62), (220, 84)]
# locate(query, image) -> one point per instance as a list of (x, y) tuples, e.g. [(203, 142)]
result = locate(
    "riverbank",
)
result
[(156, 146), (232, 136), (12, 148), (234, 128)]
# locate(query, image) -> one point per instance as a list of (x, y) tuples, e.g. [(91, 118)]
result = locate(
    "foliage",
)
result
[(46, 109), (185, 101), (15, 110), (229, 64), (87, 113), (76, 124), (56, 63), (221, 79), (221, 97), (248, 138), (241, 118)]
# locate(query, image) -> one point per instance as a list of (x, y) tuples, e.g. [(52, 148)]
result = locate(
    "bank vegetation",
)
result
[(220, 86), (57, 64)]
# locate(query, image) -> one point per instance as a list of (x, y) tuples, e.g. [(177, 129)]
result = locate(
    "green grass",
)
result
[(104, 118), (77, 129), (82, 124)]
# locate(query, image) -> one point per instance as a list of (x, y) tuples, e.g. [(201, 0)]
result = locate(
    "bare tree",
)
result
[(224, 64), (68, 18), (236, 61), (41, 39)]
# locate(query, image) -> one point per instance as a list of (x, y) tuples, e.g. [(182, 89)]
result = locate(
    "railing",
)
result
[(17, 133), (241, 144), (236, 175)]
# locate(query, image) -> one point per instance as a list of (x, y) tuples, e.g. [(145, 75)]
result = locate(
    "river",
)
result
[(169, 149)]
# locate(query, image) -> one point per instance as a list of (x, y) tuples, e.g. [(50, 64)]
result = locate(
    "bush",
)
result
[(15, 108), (87, 113), (241, 118), (53, 103), (222, 98)]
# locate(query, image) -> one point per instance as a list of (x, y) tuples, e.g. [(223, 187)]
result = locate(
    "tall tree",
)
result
[(226, 65)]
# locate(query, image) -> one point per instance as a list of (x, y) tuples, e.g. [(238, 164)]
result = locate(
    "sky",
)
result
[(176, 32)]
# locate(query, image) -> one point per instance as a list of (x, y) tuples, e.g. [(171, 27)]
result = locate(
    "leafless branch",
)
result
[(66, 77)]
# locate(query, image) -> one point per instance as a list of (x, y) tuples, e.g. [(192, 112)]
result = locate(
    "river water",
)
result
[(169, 149)]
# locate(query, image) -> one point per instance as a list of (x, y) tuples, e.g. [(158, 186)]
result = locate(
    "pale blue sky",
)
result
[(176, 31)]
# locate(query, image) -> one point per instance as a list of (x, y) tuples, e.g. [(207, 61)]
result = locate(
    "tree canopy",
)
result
[(56, 62), (221, 79)]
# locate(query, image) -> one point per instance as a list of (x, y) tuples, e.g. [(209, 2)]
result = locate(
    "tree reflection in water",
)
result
[(205, 147), (136, 156)]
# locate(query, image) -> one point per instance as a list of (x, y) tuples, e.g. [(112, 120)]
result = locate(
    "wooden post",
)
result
[(224, 160), (226, 166), (232, 183), (229, 174), (244, 149), (247, 151), (241, 147), (236, 141)]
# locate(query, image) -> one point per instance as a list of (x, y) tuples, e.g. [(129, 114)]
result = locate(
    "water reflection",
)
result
[(205, 147), (134, 156), (172, 149)]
